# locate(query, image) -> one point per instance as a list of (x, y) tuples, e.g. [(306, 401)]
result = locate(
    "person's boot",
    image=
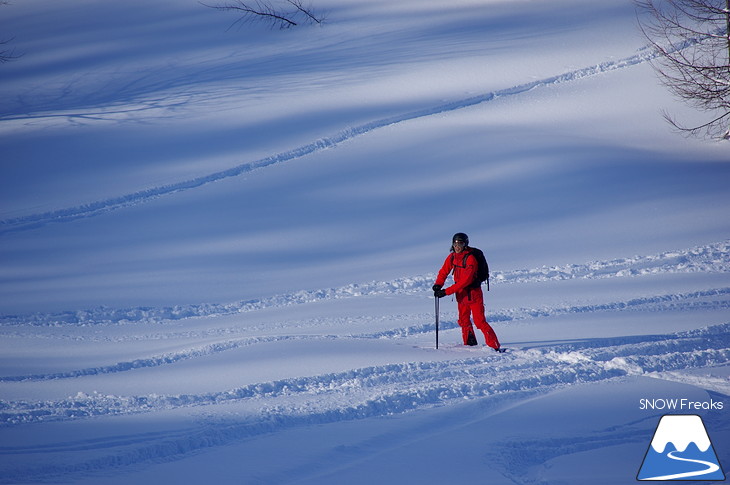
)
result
[(471, 339)]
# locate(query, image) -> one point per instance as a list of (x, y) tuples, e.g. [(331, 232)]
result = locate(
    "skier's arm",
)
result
[(444, 271)]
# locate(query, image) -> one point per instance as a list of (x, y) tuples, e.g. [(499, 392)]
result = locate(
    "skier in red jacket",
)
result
[(469, 296)]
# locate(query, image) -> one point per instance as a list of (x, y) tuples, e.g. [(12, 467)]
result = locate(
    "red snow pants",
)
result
[(471, 306)]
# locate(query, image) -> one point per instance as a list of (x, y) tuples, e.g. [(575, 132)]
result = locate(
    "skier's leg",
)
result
[(477, 311), (489, 336), (467, 331)]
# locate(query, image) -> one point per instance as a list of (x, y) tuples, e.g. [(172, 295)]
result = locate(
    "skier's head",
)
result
[(459, 242)]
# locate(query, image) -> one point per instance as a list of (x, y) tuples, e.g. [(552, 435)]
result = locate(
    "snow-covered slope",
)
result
[(218, 245)]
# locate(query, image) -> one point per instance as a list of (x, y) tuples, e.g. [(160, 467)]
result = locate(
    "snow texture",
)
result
[(218, 246)]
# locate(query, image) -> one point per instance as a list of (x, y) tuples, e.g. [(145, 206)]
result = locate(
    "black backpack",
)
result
[(482, 266)]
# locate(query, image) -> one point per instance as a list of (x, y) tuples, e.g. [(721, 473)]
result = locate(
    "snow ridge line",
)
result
[(396, 388), (712, 258), (103, 206), (154, 361), (657, 303), (166, 446), (662, 302)]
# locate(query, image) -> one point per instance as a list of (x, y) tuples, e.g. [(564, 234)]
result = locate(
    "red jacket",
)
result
[(464, 271)]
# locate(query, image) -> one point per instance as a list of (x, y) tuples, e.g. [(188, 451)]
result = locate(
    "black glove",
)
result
[(439, 293), (436, 287)]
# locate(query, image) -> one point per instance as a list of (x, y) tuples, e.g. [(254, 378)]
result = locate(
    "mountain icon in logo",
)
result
[(680, 450)]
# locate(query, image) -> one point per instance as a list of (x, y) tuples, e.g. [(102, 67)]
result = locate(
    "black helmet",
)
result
[(460, 236)]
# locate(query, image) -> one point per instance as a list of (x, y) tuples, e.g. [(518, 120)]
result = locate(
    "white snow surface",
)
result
[(218, 245)]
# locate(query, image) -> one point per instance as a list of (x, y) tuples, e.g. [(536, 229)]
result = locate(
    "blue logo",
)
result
[(680, 450)]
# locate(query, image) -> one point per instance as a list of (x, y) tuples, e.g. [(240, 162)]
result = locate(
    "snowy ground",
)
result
[(218, 245)]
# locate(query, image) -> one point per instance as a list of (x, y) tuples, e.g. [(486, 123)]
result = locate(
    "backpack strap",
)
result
[(463, 262), (474, 284)]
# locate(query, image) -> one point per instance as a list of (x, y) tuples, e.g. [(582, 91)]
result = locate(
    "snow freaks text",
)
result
[(677, 404)]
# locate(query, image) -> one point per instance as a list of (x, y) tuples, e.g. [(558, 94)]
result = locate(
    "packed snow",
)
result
[(218, 243)]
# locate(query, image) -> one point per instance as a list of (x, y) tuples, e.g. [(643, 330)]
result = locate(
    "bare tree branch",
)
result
[(7, 55), (306, 11), (263, 10), (692, 40)]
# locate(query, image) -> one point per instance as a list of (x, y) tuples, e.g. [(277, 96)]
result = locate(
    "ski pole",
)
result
[(436, 298)]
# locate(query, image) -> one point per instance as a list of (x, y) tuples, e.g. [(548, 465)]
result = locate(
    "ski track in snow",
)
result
[(355, 394), (103, 206), (395, 388), (525, 370), (656, 304), (712, 258)]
